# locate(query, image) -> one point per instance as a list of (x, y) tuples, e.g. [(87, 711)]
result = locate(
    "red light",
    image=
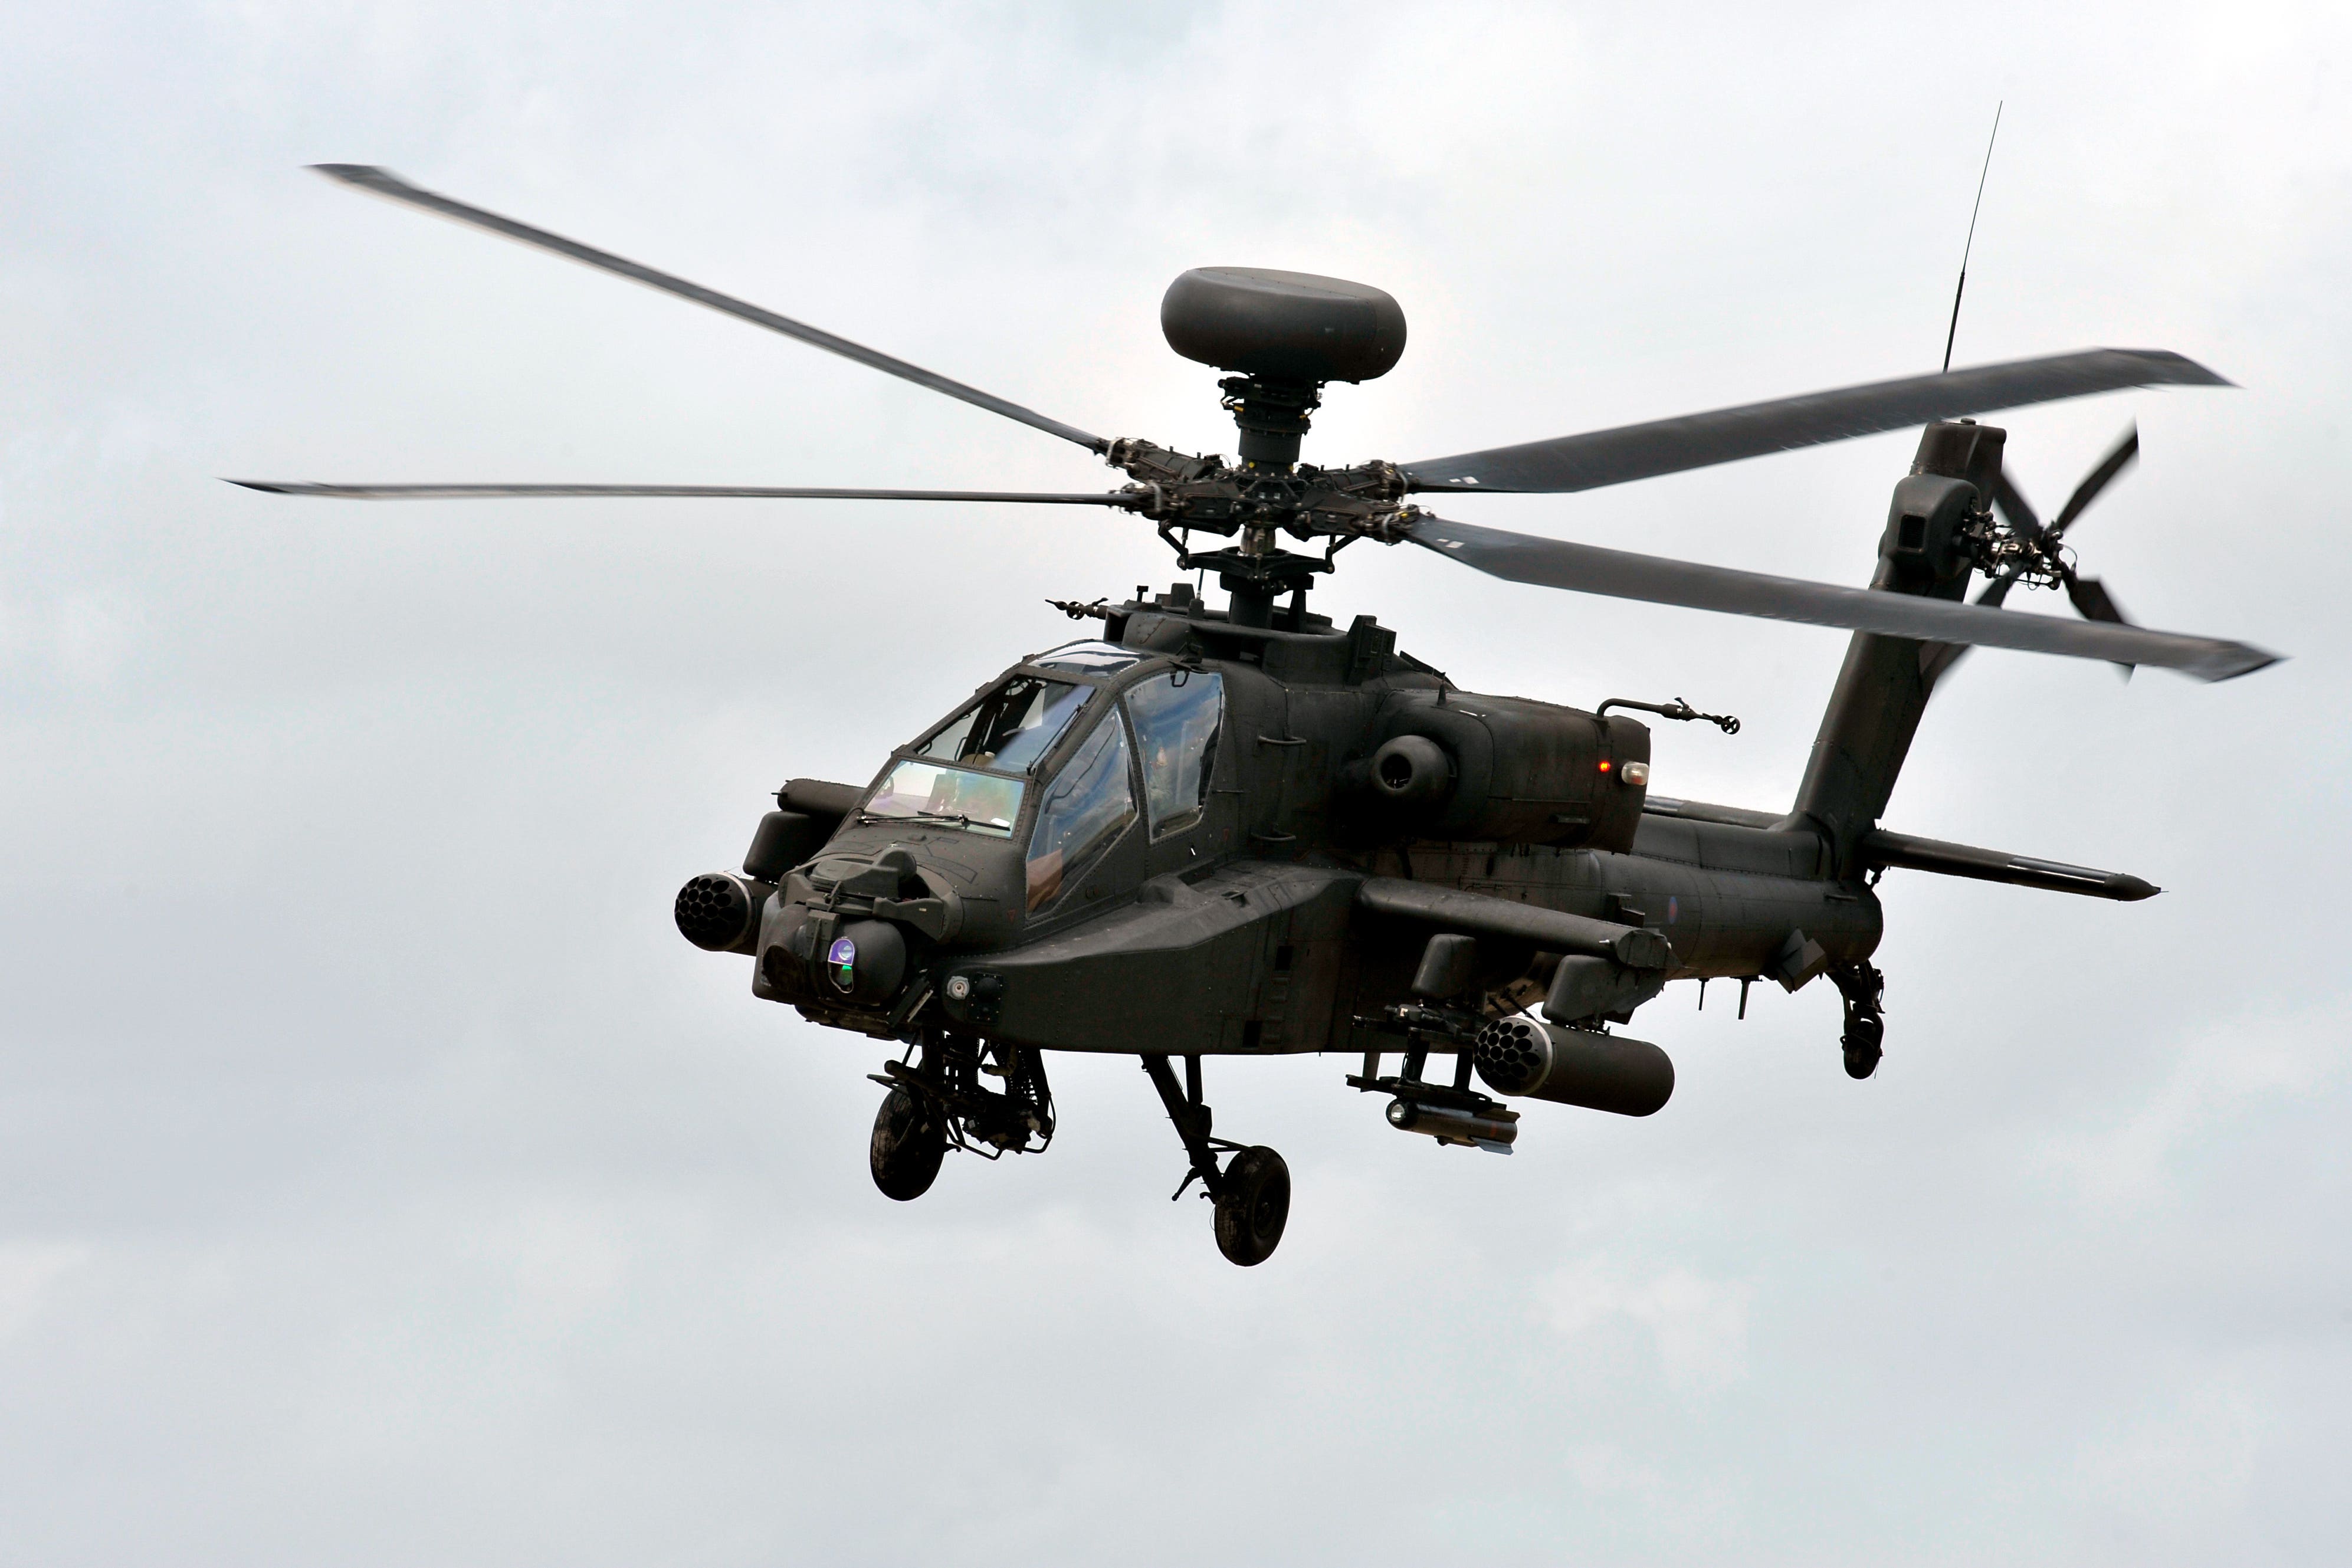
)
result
[(1604, 765)]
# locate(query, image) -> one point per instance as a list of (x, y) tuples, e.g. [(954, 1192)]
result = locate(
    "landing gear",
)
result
[(936, 1100), (1866, 1023), (1252, 1193), (907, 1145), (1253, 1207), (1862, 1045)]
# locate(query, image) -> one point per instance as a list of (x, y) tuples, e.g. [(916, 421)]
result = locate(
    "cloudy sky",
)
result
[(381, 1179)]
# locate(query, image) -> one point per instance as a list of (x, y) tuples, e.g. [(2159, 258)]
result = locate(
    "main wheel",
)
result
[(907, 1147), (1863, 1035), (1253, 1207)]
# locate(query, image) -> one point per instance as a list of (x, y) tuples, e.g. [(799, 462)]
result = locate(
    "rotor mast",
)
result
[(1273, 417), (1285, 336)]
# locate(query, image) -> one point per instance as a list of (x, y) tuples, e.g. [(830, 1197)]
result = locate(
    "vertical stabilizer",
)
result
[(1882, 691)]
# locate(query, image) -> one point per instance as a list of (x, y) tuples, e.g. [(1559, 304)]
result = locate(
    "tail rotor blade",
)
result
[(1936, 658), (2121, 456), (2012, 506), (2091, 596)]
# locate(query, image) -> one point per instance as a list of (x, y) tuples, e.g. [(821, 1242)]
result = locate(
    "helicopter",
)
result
[(1244, 830)]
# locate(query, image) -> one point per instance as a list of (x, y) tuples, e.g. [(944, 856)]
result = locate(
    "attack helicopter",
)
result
[(1243, 830)]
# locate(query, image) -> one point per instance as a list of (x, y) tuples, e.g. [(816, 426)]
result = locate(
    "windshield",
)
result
[(955, 797), (1011, 728)]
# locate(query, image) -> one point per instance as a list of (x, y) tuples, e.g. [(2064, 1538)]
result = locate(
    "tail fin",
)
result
[(1882, 691)]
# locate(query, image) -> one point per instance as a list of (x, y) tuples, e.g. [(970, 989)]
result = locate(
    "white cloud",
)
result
[(96, 636), (2178, 1462), (29, 1271), (2223, 1074), (1698, 1325)]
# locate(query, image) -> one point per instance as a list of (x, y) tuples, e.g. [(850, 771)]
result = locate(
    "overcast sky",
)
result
[(382, 1180)]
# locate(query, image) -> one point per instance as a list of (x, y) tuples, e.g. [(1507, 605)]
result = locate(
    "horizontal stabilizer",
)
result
[(1880, 848)]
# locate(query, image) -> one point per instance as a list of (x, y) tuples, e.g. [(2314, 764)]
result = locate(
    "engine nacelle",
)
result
[(1412, 771), (1458, 766), (1573, 1067)]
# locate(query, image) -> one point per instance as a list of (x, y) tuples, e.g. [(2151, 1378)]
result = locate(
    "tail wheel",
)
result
[(1253, 1206), (907, 1145)]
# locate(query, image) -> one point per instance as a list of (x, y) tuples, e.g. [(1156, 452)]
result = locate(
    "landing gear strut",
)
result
[(1866, 1022), (1252, 1193), (936, 1100)]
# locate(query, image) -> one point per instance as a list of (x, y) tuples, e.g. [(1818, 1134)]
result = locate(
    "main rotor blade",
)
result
[(471, 492), (1589, 568), (2121, 456), (383, 183), (1700, 440)]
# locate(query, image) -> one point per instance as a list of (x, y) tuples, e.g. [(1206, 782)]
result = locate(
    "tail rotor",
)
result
[(2040, 557)]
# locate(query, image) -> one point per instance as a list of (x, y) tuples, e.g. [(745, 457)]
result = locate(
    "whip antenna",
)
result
[(1954, 330)]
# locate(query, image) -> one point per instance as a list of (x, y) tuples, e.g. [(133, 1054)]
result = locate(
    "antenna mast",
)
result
[(1954, 330)]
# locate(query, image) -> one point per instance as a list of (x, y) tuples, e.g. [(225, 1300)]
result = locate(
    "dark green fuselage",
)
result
[(1256, 929)]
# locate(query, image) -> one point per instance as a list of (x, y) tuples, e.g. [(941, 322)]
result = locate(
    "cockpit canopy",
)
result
[(1175, 718), (1011, 728), (1008, 732), (1090, 658), (1150, 758)]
